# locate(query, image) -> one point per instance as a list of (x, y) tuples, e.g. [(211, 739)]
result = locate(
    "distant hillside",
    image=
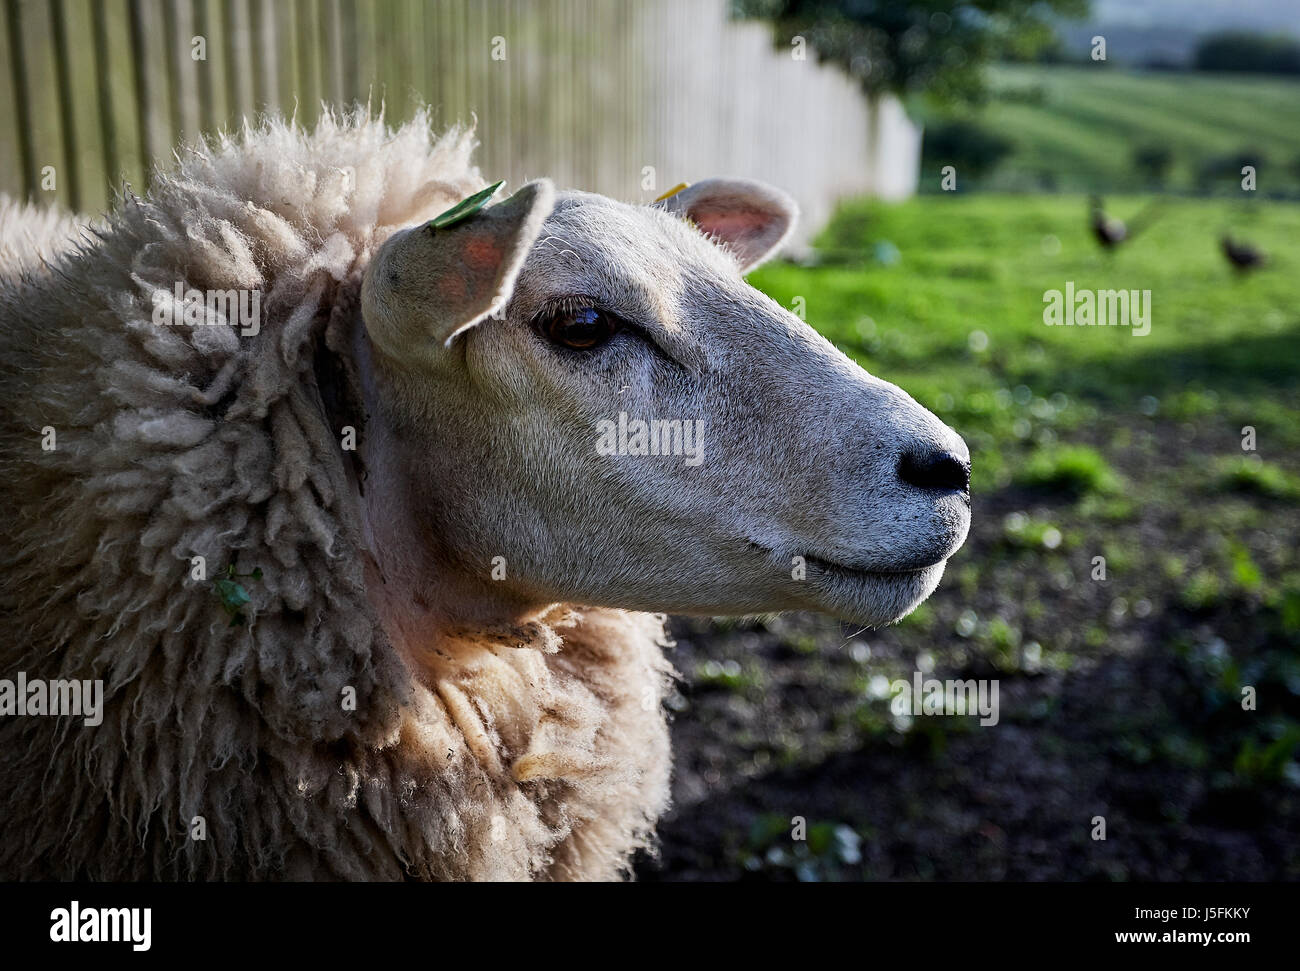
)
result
[(1147, 31), (1077, 129), (1202, 15)]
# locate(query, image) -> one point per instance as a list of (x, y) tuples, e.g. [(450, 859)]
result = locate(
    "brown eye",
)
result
[(581, 328)]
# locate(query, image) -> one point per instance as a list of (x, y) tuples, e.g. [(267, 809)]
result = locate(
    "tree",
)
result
[(904, 47), (1153, 161), (936, 47), (970, 147), (1243, 51)]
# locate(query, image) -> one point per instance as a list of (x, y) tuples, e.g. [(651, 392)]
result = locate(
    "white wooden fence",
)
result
[(617, 97)]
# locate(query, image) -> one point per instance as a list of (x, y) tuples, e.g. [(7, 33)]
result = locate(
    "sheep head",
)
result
[(577, 400)]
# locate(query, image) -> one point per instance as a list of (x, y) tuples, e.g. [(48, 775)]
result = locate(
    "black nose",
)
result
[(934, 470)]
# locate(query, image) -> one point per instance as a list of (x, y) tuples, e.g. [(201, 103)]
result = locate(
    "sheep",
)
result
[(30, 236), (365, 598)]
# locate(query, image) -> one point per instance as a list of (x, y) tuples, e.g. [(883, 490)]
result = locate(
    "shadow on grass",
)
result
[(1240, 364)]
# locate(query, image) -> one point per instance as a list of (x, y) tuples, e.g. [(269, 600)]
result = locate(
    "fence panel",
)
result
[(620, 98)]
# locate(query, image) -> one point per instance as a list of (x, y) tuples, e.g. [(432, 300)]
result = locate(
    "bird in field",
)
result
[(1243, 256), (1111, 232)]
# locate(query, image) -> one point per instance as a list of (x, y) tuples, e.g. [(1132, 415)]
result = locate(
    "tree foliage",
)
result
[(1244, 51), (938, 47), (972, 148)]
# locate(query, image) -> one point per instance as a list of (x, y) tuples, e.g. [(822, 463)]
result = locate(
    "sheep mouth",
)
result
[(830, 566), (874, 597), (871, 597), (833, 569)]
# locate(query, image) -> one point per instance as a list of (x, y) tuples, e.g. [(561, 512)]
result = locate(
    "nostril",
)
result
[(934, 470)]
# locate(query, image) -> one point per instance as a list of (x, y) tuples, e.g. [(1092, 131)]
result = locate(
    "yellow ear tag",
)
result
[(673, 191)]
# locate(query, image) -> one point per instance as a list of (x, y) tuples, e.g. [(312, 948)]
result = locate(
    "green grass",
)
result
[(1074, 128), (1121, 538), (1074, 470), (1252, 476), (958, 320), (1131, 573)]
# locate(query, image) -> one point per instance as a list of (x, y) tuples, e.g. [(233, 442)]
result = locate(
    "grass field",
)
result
[(1121, 695), (1074, 128), (958, 320)]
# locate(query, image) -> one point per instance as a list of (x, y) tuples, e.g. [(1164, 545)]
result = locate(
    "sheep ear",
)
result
[(752, 219), (427, 285)]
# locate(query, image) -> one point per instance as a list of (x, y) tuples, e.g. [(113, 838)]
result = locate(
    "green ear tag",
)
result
[(465, 208)]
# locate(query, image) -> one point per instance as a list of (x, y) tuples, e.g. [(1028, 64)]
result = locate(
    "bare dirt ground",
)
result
[(1118, 698)]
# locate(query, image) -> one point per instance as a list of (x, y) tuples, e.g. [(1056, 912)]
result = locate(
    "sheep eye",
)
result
[(581, 328)]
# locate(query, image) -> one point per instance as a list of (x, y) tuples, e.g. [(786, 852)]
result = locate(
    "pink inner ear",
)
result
[(733, 224), (480, 260), (482, 253)]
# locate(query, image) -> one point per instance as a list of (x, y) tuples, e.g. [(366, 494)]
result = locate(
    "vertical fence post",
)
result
[(433, 44), (203, 70), (329, 71), (379, 53), (22, 96), (262, 25), (364, 48), (143, 101), (67, 122), (280, 15), (382, 54), (107, 122), (351, 51), (230, 58), (398, 69), (173, 47), (303, 43), (419, 70)]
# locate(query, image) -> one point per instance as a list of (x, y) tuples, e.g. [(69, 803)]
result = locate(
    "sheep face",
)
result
[(583, 401)]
